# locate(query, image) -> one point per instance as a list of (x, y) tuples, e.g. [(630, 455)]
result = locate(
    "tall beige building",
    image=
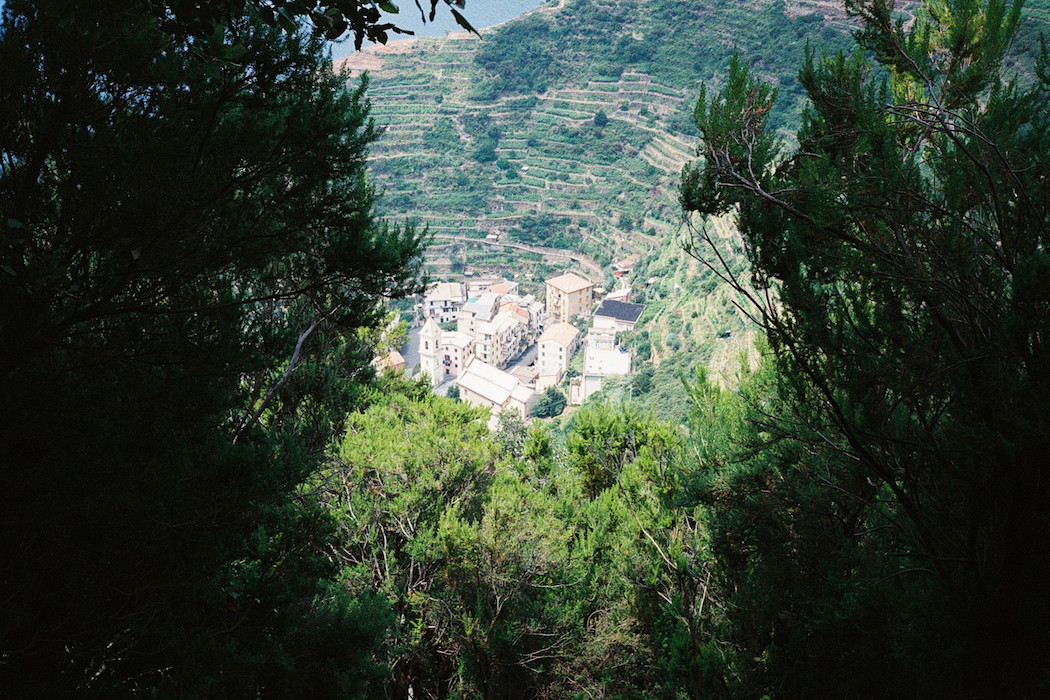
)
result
[(568, 296)]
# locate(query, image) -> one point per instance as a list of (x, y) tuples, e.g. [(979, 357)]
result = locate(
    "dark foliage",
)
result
[(880, 545), (187, 246)]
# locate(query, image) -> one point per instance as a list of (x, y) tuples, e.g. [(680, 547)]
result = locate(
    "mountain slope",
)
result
[(567, 129)]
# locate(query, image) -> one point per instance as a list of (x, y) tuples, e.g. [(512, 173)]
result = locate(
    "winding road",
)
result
[(575, 256)]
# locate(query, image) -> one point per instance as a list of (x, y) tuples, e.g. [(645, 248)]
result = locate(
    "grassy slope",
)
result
[(498, 135)]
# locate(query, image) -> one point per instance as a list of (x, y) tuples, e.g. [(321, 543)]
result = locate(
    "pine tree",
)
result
[(187, 249), (899, 268)]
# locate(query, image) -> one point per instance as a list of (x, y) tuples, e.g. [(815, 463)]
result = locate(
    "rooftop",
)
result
[(445, 291), (392, 360), (515, 309), (606, 362), (500, 323), (491, 383), (562, 333), (430, 328), (456, 339), (620, 310), (500, 288), (483, 308), (569, 283)]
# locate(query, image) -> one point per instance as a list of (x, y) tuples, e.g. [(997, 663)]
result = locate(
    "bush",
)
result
[(550, 404), (643, 381)]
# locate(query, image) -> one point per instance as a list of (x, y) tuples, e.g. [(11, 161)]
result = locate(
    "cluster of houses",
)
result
[(494, 325)]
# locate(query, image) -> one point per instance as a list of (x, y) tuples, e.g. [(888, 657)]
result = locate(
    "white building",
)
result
[(443, 301), (600, 339), (481, 384), (601, 358), (604, 363), (429, 346), (443, 354)]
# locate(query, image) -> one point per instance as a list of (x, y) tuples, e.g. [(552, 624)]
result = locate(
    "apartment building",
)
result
[(568, 296), (475, 311), (499, 341)]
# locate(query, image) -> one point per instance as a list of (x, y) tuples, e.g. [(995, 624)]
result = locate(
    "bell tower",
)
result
[(429, 351)]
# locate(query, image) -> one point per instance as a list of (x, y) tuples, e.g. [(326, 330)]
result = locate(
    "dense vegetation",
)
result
[(188, 248), (518, 565), (897, 264), (206, 493)]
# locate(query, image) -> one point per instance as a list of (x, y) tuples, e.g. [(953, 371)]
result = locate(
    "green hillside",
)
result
[(567, 129)]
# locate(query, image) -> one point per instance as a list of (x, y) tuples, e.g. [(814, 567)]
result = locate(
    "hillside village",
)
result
[(503, 349)]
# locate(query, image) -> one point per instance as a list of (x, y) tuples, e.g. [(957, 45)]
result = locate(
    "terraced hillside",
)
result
[(556, 140), (579, 175), (536, 170)]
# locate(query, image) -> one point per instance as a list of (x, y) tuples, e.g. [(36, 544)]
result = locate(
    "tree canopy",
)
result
[(551, 403), (898, 267), (188, 246), (183, 19)]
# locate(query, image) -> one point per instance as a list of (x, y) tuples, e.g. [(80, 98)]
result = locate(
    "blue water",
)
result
[(480, 13)]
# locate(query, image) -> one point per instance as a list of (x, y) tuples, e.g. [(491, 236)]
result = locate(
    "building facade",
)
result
[(556, 348), (499, 341), (568, 296), (443, 301)]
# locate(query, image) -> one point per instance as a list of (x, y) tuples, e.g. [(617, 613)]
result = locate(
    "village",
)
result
[(500, 349)]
